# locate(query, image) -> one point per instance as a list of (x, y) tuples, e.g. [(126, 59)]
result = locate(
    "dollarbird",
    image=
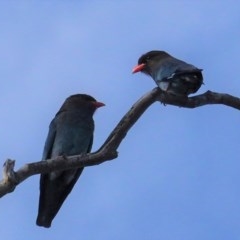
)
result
[(170, 74), (70, 133)]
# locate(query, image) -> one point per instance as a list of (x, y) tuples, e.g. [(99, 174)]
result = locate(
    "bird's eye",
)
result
[(147, 59)]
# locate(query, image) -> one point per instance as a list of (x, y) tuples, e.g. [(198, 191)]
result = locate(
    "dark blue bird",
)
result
[(170, 74), (70, 133)]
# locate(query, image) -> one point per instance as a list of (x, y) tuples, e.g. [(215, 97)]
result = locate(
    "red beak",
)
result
[(138, 68), (98, 104)]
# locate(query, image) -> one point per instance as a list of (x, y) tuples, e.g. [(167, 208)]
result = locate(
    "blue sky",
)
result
[(177, 174)]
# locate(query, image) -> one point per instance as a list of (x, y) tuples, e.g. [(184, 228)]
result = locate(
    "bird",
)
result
[(70, 133), (170, 74)]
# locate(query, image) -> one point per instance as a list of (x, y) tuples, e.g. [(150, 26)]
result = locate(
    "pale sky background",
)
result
[(178, 171)]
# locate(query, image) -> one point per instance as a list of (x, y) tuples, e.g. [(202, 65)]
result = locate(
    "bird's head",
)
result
[(148, 60), (81, 102)]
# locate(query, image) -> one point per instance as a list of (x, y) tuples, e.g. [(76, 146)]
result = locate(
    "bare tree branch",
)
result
[(108, 150)]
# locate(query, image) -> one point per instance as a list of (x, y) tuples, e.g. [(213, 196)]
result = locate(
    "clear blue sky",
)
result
[(177, 174)]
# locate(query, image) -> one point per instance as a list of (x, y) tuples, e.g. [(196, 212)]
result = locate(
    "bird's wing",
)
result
[(180, 71), (67, 179), (173, 67), (90, 144), (49, 141), (43, 178), (55, 191)]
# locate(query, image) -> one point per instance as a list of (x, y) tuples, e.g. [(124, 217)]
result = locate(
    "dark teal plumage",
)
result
[(70, 133), (170, 74)]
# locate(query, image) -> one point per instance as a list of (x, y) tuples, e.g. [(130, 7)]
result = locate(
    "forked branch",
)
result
[(108, 150)]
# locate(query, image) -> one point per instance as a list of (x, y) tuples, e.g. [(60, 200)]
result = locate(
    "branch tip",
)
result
[(8, 171)]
